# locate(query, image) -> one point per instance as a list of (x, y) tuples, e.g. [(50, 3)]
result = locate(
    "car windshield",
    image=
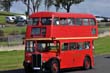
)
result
[(47, 46)]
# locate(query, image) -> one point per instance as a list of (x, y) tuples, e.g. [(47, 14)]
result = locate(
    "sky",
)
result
[(96, 7)]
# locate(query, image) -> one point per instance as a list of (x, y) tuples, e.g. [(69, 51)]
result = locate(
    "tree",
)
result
[(49, 3), (32, 5), (57, 4), (36, 4), (66, 4), (6, 5)]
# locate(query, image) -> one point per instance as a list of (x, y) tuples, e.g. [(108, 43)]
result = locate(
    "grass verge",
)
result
[(14, 29), (102, 45), (2, 19), (11, 60)]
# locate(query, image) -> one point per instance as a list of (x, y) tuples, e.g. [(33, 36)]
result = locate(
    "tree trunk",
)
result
[(28, 9), (34, 9), (68, 8)]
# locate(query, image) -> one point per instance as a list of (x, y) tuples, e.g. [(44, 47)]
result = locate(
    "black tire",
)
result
[(87, 63), (28, 70), (54, 66)]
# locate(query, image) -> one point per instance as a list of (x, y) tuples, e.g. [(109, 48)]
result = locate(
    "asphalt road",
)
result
[(102, 65)]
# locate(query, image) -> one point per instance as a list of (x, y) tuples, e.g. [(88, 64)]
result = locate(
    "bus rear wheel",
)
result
[(54, 67), (87, 64)]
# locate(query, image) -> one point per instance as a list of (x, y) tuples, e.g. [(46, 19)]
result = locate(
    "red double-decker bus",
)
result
[(56, 41)]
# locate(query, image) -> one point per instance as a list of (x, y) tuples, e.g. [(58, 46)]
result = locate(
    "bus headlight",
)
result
[(28, 61)]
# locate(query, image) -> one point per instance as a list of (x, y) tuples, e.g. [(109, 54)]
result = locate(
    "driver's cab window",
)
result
[(65, 46), (30, 46)]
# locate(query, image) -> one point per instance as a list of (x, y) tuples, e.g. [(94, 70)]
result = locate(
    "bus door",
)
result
[(66, 56)]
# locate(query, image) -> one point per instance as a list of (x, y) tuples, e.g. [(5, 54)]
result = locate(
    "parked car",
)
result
[(20, 18), (10, 19)]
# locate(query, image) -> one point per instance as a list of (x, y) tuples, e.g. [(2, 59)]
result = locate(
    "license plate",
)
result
[(36, 68)]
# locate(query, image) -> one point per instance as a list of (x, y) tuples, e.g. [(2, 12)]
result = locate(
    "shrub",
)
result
[(1, 33)]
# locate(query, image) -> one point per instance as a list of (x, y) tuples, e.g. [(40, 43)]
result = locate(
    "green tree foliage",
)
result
[(66, 4)]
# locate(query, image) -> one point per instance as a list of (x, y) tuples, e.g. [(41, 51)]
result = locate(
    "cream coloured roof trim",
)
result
[(69, 38)]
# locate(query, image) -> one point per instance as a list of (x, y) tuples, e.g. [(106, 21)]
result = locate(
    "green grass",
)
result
[(102, 45), (14, 29), (103, 28), (11, 60), (4, 13), (2, 19), (3, 43)]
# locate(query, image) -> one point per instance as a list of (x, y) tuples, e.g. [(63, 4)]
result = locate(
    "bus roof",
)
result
[(61, 14)]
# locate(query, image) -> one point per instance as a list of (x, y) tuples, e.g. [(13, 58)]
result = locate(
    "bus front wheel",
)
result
[(54, 66)]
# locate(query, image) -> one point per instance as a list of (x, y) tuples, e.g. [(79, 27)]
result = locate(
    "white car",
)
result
[(21, 18), (10, 19)]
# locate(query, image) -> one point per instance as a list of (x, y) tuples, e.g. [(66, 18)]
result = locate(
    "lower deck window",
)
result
[(47, 46), (76, 46)]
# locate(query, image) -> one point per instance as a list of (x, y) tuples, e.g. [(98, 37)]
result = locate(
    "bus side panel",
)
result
[(28, 32), (72, 31)]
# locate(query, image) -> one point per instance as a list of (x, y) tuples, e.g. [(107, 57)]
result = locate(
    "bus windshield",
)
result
[(47, 46)]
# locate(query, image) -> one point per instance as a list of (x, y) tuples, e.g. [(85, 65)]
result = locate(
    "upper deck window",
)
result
[(93, 31), (92, 22), (85, 22), (35, 31), (46, 21), (56, 21), (70, 21), (33, 21), (63, 21), (78, 21)]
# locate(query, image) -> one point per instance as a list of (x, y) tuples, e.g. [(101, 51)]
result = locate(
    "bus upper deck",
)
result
[(61, 25)]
